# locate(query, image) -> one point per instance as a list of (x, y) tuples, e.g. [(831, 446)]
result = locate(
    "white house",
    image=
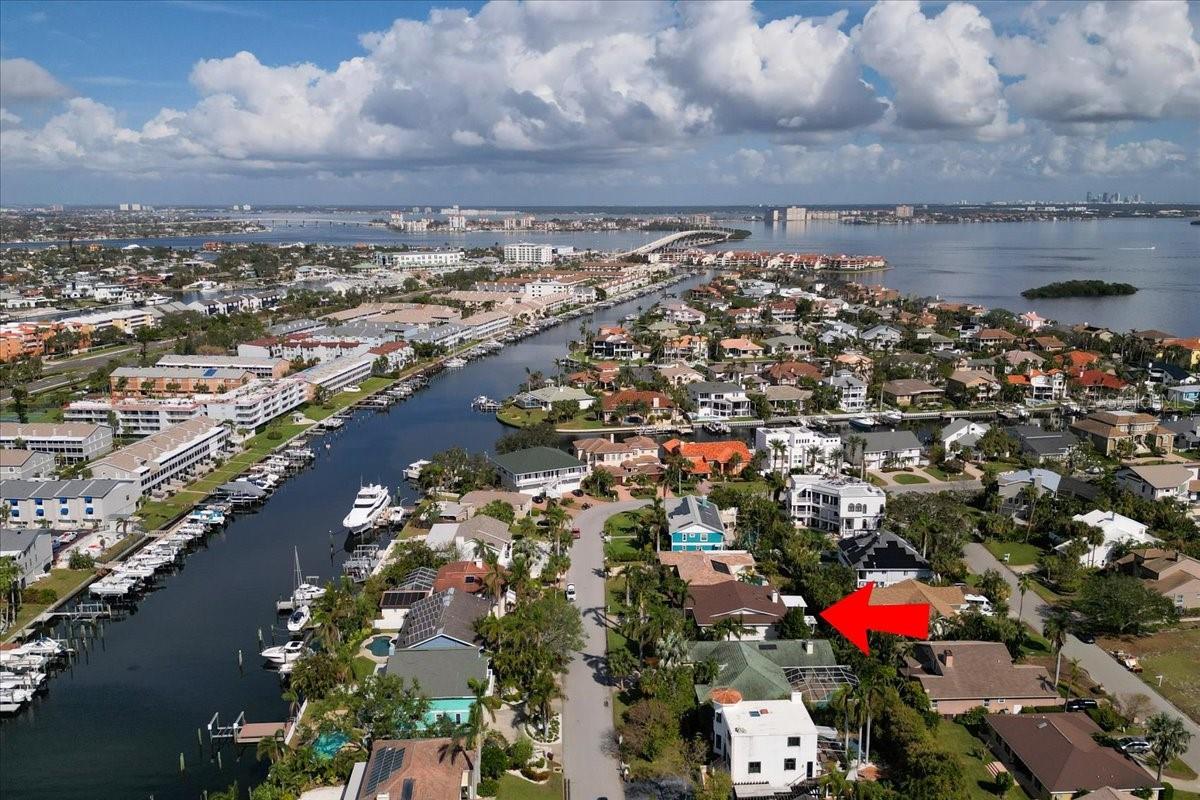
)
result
[(32, 551), (540, 471), (963, 433), (1117, 528), (770, 745), (852, 391), (797, 448), (67, 441), (1159, 481), (718, 400), (887, 448), (546, 397), (840, 505), (883, 337)]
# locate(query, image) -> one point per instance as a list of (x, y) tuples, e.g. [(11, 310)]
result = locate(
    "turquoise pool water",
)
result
[(380, 645), (327, 745)]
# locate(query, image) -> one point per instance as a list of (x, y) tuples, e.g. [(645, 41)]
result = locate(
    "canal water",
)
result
[(114, 725)]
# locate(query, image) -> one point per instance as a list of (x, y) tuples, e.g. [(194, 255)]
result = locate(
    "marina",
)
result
[(175, 654)]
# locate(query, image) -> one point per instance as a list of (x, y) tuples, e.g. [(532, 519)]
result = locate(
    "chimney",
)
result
[(774, 595), (808, 646), (948, 658)]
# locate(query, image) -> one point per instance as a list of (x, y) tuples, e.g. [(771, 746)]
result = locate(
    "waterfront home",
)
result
[(67, 503), (769, 746), (786, 399), (443, 676), (1095, 384), (521, 504), (972, 384), (959, 676), (463, 576), (797, 447), (540, 471), (705, 567), (792, 373), (882, 558), (1117, 529), (711, 458), (762, 670), (442, 620), (880, 449), (1043, 445), (905, 392), (740, 348), (615, 344), (545, 398), (413, 769), (1057, 756), (1128, 432), (757, 608), (789, 345), (1040, 386), (23, 465), (680, 374), (718, 400), (851, 390), (31, 551), (1177, 482), (394, 604), (694, 524), (69, 442), (1170, 573), (636, 407), (599, 451), (962, 433), (836, 504), (175, 453)]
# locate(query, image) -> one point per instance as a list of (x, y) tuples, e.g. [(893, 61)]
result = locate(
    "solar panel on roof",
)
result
[(385, 762), (210, 371)]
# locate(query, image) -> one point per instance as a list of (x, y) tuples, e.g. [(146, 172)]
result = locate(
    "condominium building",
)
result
[(128, 321), (65, 441), (797, 448), (486, 324), (526, 253), (258, 367), (25, 464), (163, 381), (333, 376), (420, 259), (31, 502), (165, 456), (839, 505), (133, 416)]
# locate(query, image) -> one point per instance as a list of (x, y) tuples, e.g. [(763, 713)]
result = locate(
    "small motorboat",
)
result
[(299, 619), (413, 471), (285, 653)]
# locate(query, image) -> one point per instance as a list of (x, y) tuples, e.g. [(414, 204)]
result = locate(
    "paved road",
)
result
[(57, 374), (1102, 667), (589, 751)]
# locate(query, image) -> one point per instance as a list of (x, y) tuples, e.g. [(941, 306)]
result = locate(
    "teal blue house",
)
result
[(695, 524), (442, 676)]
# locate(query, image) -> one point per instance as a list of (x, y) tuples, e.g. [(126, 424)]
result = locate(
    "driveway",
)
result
[(590, 761), (1102, 667)]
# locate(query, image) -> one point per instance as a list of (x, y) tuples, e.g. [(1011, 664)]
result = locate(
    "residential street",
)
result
[(1100, 665), (589, 752)]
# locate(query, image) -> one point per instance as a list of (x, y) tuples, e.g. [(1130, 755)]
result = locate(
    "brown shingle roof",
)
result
[(978, 671), (754, 605), (704, 569), (1058, 749), (435, 768)]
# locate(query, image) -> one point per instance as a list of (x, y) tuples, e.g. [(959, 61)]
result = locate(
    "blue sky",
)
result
[(721, 102)]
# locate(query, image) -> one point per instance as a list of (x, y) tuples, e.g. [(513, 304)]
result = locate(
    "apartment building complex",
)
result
[(66, 441), (164, 456)]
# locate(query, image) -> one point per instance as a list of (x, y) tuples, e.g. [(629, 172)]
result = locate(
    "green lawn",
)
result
[(1174, 654), (875, 480), (993, 468), (974, 756), (343, 400), (526, 418), (119, 548), (624, 524), (1019, 553), (362, 666), (907, 479), (63, 581), (942, 475), (516, 788), (621, 548), (748, 487)]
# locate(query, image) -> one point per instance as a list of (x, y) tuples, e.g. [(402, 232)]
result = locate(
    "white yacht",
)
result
[(299, 619), (285, 653), (413, 470), (369, 503)]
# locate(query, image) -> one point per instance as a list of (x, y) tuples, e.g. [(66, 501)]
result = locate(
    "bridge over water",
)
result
[(680, 240)]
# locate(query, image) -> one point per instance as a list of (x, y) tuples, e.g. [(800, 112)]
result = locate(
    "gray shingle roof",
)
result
[(25, 490), (691, 510), (535, 459), (449, 613), (440, 673)]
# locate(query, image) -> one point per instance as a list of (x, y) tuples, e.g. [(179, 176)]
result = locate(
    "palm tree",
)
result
[(495, 577), (543, 691), (778, 449), (837, 785), (1073, 676), (272, 748), (842, 703), (729, 628), (1024, 583), (1168, 739), (1055, 628), (483, 706)]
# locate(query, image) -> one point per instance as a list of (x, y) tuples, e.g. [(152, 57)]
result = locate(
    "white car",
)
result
[(571, 592)]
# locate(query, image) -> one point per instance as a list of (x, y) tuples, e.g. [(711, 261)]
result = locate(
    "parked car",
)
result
[(1133, 745), (1081, 704), (1087, 637), (571, 592), (576, 533)]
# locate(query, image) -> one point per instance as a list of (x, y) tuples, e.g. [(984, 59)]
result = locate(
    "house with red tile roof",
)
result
[(634, 407), (711, 458)]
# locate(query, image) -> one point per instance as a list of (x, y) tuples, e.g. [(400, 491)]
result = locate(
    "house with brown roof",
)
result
[(905, 392), (413, 769), (634, 407), (1113, 431), (465, 576), (596, 451), (740, 347), (959, 676), (791, 373), (1172, 574), (707, 567), (1055, 756), (945, 602), (992, 337), (521, 504), (757, 608), (974, 383)]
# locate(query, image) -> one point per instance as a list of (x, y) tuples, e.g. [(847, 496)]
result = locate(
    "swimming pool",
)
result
[(327, 745), (380, 646)]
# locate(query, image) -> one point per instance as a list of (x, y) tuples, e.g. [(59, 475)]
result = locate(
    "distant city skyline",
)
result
[(575, 103)]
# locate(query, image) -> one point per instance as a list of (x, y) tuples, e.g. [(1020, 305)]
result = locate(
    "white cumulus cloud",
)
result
[(22, 80)]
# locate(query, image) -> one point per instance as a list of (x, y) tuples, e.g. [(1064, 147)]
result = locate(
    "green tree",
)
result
[(1123, 605), (1168, 739)]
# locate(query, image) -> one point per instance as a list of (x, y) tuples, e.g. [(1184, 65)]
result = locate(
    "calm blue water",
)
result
[(114, 726), (984, 263)]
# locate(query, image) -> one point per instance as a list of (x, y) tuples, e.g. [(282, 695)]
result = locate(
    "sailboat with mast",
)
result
[(305, 590)]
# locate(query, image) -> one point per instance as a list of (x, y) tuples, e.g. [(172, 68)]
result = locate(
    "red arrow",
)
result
[(853, 616)]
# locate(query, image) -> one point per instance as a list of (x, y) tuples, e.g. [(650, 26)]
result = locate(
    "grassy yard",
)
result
[(119, 548), (1174, 654), (62, 581), (362, 666), (343, 400), (526, 418), (624, 524), (974, 756), (993, 468), (942, 475), (1019, 553), (908, 479), (621, 548), (516, 788), (747, 487)]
